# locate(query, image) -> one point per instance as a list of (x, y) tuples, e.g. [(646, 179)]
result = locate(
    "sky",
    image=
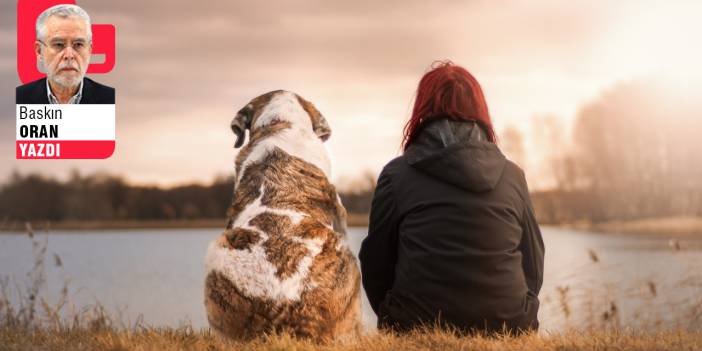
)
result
[(185, 67)]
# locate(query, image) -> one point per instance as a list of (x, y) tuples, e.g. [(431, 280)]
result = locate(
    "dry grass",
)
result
[(187, 339)]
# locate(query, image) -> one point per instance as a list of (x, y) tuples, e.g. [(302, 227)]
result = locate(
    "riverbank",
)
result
[(187, 339), (41, 226), (661, 226), (353, 220)]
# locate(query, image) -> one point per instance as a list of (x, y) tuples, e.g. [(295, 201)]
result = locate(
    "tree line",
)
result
[(100, 196), (634, 152)]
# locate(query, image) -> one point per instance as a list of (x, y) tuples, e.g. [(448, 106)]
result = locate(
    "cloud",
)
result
[(184, 67)]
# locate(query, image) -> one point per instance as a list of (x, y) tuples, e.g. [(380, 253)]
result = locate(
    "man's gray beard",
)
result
[(69, 83), (66, 82)]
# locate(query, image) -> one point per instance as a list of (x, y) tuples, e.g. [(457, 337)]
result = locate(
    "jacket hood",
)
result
[(457, 152)]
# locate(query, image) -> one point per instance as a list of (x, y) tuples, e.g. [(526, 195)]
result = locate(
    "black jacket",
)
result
[(452, 236), (93, 93)]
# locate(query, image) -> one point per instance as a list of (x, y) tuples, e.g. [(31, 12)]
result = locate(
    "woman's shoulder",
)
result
[(513, 169), (397, 165), (390, 171), (515, 176)]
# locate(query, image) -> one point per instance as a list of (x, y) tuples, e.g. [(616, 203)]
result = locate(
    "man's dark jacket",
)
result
[(452, 236), (93, 93)]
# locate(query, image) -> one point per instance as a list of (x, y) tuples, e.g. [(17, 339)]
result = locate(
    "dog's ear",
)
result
[(241, 123), (319, 123)]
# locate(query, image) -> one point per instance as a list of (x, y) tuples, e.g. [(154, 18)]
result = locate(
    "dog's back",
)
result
[(280, 265)]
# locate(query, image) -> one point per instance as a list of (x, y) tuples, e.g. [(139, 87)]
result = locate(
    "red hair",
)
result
[(449, 91)]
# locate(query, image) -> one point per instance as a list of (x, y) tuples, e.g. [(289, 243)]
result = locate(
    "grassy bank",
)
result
[(186, 339)]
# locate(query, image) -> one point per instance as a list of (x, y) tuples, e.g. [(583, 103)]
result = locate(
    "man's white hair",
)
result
[(63, 11)]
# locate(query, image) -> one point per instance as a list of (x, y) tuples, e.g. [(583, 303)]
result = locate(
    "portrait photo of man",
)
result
[(63, 47)]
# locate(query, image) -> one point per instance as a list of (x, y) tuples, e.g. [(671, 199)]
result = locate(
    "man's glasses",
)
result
[(79, 46)]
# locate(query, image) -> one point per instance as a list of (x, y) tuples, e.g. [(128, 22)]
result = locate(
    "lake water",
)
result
[(589, 278)]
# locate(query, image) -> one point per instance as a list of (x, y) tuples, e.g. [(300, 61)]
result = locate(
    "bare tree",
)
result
[(512, 141)]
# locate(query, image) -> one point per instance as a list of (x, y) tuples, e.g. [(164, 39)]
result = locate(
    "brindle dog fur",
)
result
[(282, 263)]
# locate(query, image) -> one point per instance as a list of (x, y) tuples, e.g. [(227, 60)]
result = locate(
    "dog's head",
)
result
[(278, 105)]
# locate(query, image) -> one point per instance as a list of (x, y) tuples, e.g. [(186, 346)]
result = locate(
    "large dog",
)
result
[(283, 264)]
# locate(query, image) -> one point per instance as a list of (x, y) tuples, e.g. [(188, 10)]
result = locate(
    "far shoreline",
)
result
[(20, 227), (689, 227), (668, 227)]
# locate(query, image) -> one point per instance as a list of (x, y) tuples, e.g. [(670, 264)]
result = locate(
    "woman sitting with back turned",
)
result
[(452, 239)]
